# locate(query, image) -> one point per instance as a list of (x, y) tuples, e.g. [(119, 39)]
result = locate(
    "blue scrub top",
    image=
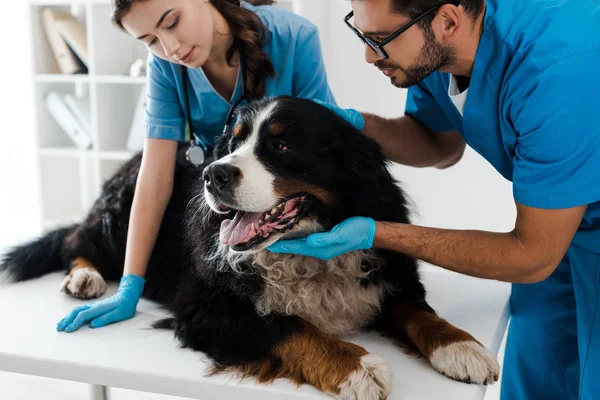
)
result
[(295, 51), (533, 104)]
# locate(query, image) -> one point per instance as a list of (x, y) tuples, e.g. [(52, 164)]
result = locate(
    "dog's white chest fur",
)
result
[(328, 294)]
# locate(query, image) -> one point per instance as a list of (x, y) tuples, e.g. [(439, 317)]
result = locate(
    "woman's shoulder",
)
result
[(282, 22), (161, 67)]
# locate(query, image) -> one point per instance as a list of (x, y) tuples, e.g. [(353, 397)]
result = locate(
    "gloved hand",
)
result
[(119, 307), (349, 114), (356, 233)]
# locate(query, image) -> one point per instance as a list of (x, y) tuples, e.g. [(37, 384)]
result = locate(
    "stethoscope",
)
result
[(196, 152)]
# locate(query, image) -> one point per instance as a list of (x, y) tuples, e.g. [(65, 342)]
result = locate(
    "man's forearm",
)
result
[(406, 141), (500, 256)]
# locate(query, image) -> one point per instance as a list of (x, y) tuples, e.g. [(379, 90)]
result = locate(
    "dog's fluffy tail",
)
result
[(166, 323), (36, 257)]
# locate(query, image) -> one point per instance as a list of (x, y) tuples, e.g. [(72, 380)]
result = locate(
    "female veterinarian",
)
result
[(518, 81), (207, 56)]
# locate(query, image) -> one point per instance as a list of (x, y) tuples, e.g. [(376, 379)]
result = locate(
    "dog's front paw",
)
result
[(372, 381), (466, 361), (83, 282)]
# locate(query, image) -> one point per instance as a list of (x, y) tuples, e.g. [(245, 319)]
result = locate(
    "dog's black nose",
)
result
[(219, 176)]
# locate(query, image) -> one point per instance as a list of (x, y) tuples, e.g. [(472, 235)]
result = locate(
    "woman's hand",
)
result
[(119, 307)]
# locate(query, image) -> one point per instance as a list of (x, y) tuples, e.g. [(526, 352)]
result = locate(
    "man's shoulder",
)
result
[(543, 32)]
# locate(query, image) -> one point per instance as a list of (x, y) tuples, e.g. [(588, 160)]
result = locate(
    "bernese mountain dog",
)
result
[(288, 167)]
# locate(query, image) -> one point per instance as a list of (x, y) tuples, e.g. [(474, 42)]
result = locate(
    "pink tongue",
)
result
[(236, 230)]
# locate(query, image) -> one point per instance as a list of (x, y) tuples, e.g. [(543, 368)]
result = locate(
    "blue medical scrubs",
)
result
[(533, 111), (294, 50)]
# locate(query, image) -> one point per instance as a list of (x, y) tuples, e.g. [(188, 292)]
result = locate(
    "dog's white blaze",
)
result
[(255, 191)]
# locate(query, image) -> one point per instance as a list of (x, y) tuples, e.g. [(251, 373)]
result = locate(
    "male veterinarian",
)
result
[(519, 81)]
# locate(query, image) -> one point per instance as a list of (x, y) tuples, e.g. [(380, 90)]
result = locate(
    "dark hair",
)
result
[(246, 26), (412, 8)]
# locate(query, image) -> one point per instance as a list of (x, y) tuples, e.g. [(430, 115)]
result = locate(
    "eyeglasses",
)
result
[(377, 46)]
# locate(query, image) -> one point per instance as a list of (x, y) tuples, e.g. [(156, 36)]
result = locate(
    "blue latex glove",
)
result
[(356, 233), (349, 114), (119, 307)]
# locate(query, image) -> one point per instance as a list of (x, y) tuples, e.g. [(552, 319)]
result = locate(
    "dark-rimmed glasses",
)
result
[(377, 46)]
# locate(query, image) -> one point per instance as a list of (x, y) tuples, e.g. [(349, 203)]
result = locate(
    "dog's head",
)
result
[(287, 168)]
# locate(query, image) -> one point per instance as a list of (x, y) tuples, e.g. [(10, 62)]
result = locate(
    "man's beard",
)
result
[(432, 57)]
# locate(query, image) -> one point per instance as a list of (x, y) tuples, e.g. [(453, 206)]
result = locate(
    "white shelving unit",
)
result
[(71, 178)]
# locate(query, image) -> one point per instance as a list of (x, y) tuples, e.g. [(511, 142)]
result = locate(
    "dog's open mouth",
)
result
[(248, 229)]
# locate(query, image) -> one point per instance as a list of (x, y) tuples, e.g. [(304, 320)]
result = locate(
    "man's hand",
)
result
[(528, 254), (355, 233)]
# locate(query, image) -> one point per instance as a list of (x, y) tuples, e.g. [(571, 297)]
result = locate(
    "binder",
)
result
[(80, 108), (67, 121)]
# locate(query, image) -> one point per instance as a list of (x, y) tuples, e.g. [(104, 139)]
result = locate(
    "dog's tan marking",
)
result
[(342, 369), (285, 188), (276, 129), (81, 262), (237, 130)]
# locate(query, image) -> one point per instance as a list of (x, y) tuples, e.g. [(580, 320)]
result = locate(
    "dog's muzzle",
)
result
[(220, 179)]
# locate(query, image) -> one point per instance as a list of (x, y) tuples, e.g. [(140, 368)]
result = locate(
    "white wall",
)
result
[(19, 208), (469, 195)]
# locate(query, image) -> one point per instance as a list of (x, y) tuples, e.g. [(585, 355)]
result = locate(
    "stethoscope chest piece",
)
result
[(195, 155)]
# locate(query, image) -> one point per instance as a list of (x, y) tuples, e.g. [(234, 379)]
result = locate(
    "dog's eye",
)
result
[(280, 146)]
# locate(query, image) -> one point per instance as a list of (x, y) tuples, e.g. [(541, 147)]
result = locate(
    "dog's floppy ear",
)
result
[(222, 145), (362, 156)]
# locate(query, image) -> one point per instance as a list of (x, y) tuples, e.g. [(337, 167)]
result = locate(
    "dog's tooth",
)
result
[(261, 221), (273, 210)]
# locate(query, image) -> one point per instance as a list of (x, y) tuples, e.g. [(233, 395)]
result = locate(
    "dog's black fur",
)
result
[(214, 308)]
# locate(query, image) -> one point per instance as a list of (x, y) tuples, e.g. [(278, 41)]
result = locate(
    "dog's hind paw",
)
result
[(372, 381), (83, 282), (466, 361)]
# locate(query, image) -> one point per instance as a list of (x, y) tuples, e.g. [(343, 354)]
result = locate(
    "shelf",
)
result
[(120, 79), (66, 2), (85, 78), (44, 59), (51, 134), (123, 155), (71, 177), (64, 152), (116, 109), (114, 51), (61, 78), (108, 168)]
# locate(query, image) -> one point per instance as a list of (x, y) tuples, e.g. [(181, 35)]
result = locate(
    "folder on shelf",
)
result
[(67, 120), (80, 108), (73, 33), (65, 52)]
